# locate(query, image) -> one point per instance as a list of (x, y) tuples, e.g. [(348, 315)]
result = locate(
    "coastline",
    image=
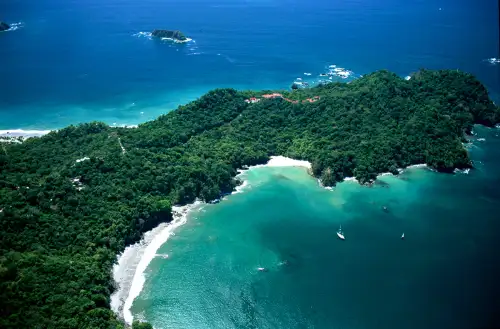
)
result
[(17, 133), (23, 133), (128, 271)]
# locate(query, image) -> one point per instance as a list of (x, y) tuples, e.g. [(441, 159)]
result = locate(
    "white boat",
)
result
[(164, 256), (340, 234), (262, 269), (403, 236)]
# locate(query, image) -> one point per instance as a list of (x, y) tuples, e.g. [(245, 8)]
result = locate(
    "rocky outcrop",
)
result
[(175, 35), (4, 26)]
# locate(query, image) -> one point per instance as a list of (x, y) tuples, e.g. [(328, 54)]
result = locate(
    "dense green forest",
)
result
[(64, 221)]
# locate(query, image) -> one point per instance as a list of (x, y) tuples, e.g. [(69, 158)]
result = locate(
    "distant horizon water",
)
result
[(60, 68)]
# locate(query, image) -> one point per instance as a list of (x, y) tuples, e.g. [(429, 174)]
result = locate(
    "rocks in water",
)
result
[(4, 26), (169, 34)]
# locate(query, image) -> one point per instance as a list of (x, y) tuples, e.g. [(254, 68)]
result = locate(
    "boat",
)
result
[(261, 269), (340, 234), (403, 236), (164, 256)]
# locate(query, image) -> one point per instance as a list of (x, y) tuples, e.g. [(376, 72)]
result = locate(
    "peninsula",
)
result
[(176, 36), (72, 200), (4, 26)]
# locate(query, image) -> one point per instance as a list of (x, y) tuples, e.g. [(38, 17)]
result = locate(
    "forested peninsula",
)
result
[(71, 200)]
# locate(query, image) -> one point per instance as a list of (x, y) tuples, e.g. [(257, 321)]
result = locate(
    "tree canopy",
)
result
[(73, 199)]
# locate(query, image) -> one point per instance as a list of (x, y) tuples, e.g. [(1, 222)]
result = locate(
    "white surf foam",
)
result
[(320, 183), (461, 171), (421, 165), (242, 187), (128, 272), (23, 133), (146, 35), (178, 41), (15, 26)]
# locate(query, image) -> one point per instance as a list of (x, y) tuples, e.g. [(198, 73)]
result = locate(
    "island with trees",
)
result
[(176, 36), (73, 199)]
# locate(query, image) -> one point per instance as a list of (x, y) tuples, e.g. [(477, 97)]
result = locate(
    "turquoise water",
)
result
[(75, 61), (442, 275)]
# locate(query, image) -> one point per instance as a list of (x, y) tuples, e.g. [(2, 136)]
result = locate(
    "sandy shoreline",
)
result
[(128, 272), (23, 133), (39, 133)]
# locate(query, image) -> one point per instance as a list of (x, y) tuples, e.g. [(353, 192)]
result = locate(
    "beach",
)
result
[(128, 272)]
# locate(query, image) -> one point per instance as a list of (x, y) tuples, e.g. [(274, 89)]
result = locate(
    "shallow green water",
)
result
[(442, 275)]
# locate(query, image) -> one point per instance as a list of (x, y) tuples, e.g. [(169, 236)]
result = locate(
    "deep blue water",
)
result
[(76, 61)]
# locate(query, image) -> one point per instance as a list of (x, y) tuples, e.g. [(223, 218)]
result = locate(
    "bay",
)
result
[(442, 275)]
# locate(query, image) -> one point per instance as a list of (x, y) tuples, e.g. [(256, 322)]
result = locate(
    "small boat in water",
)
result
[(403, 236), (262, 269), (164, 256), (340, 234)]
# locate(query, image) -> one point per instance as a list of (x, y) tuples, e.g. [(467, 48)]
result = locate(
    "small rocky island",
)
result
[(175, 35), (4, 26)]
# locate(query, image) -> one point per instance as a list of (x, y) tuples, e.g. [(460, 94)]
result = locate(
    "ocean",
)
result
[(79, 61)]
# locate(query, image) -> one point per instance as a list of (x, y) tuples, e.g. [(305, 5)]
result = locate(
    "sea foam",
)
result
[(493, 60), (15, 26), (23, 133), (146, 35)]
